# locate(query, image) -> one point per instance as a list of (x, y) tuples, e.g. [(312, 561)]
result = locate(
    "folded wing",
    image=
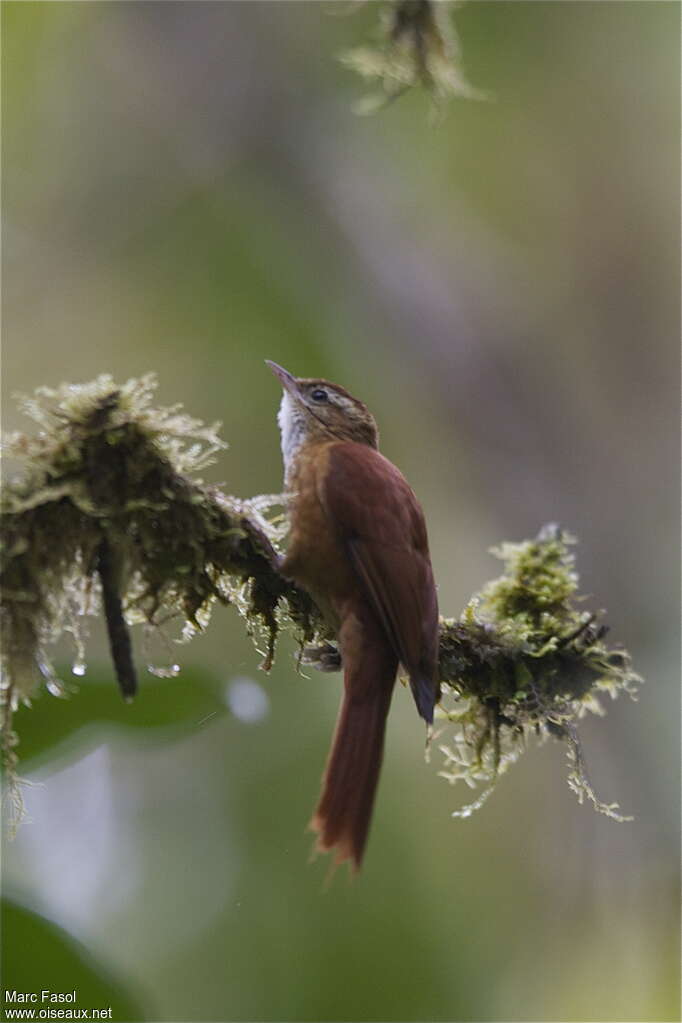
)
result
[(381, 525)]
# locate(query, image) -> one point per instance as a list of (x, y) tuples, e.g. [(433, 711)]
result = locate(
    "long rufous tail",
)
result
[(343, 814)]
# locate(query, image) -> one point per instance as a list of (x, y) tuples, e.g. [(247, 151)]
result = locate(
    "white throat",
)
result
[(292, 424)]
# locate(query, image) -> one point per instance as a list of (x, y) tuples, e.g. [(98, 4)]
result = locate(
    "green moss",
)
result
[(107, 464), (523, 660), (109, 473)]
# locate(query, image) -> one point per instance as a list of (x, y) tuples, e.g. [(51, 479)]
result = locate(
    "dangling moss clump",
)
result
[(416, 45), (523, 660)]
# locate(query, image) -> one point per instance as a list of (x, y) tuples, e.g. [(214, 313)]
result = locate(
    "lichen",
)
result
[(110, 517), (524, 660), (416, 44), (108, 467)]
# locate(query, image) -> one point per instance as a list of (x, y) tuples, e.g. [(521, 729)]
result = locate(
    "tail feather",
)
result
[(343, 814)]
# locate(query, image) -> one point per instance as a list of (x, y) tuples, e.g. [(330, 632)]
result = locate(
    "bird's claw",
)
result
[(325, 657)]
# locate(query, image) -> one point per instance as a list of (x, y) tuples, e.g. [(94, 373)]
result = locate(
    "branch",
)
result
[(110, 514)]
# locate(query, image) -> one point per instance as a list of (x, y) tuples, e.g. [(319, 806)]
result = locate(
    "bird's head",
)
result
[(315, 410)]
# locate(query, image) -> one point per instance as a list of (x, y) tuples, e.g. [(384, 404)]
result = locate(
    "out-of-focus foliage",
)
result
[(65, 966), (163, 710)]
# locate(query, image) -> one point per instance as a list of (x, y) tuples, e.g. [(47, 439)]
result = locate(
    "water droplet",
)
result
[(79, 668), (247, 700), (53, 684), (170, 672)]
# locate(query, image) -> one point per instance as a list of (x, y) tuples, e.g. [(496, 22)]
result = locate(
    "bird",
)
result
[(358, 545)]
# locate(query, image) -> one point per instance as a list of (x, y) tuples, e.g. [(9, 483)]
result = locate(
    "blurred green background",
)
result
[(187, 190)]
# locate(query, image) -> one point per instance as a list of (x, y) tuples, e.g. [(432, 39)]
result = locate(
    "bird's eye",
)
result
[(318, 394)]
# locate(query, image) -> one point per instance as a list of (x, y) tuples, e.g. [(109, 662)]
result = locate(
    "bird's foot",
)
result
[(325, 657)]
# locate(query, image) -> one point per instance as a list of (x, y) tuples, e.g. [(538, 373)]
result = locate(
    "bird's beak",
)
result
[(287, 381)]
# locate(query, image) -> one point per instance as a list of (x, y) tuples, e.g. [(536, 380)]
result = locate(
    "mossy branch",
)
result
[(110, 515)]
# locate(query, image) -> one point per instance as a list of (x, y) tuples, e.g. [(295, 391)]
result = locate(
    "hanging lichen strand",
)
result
[(415, 44), (109, 516)]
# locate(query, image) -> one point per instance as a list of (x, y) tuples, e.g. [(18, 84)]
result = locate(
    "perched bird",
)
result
[(358, 545)]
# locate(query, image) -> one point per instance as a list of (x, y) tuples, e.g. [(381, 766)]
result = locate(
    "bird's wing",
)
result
[(381, 525)]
